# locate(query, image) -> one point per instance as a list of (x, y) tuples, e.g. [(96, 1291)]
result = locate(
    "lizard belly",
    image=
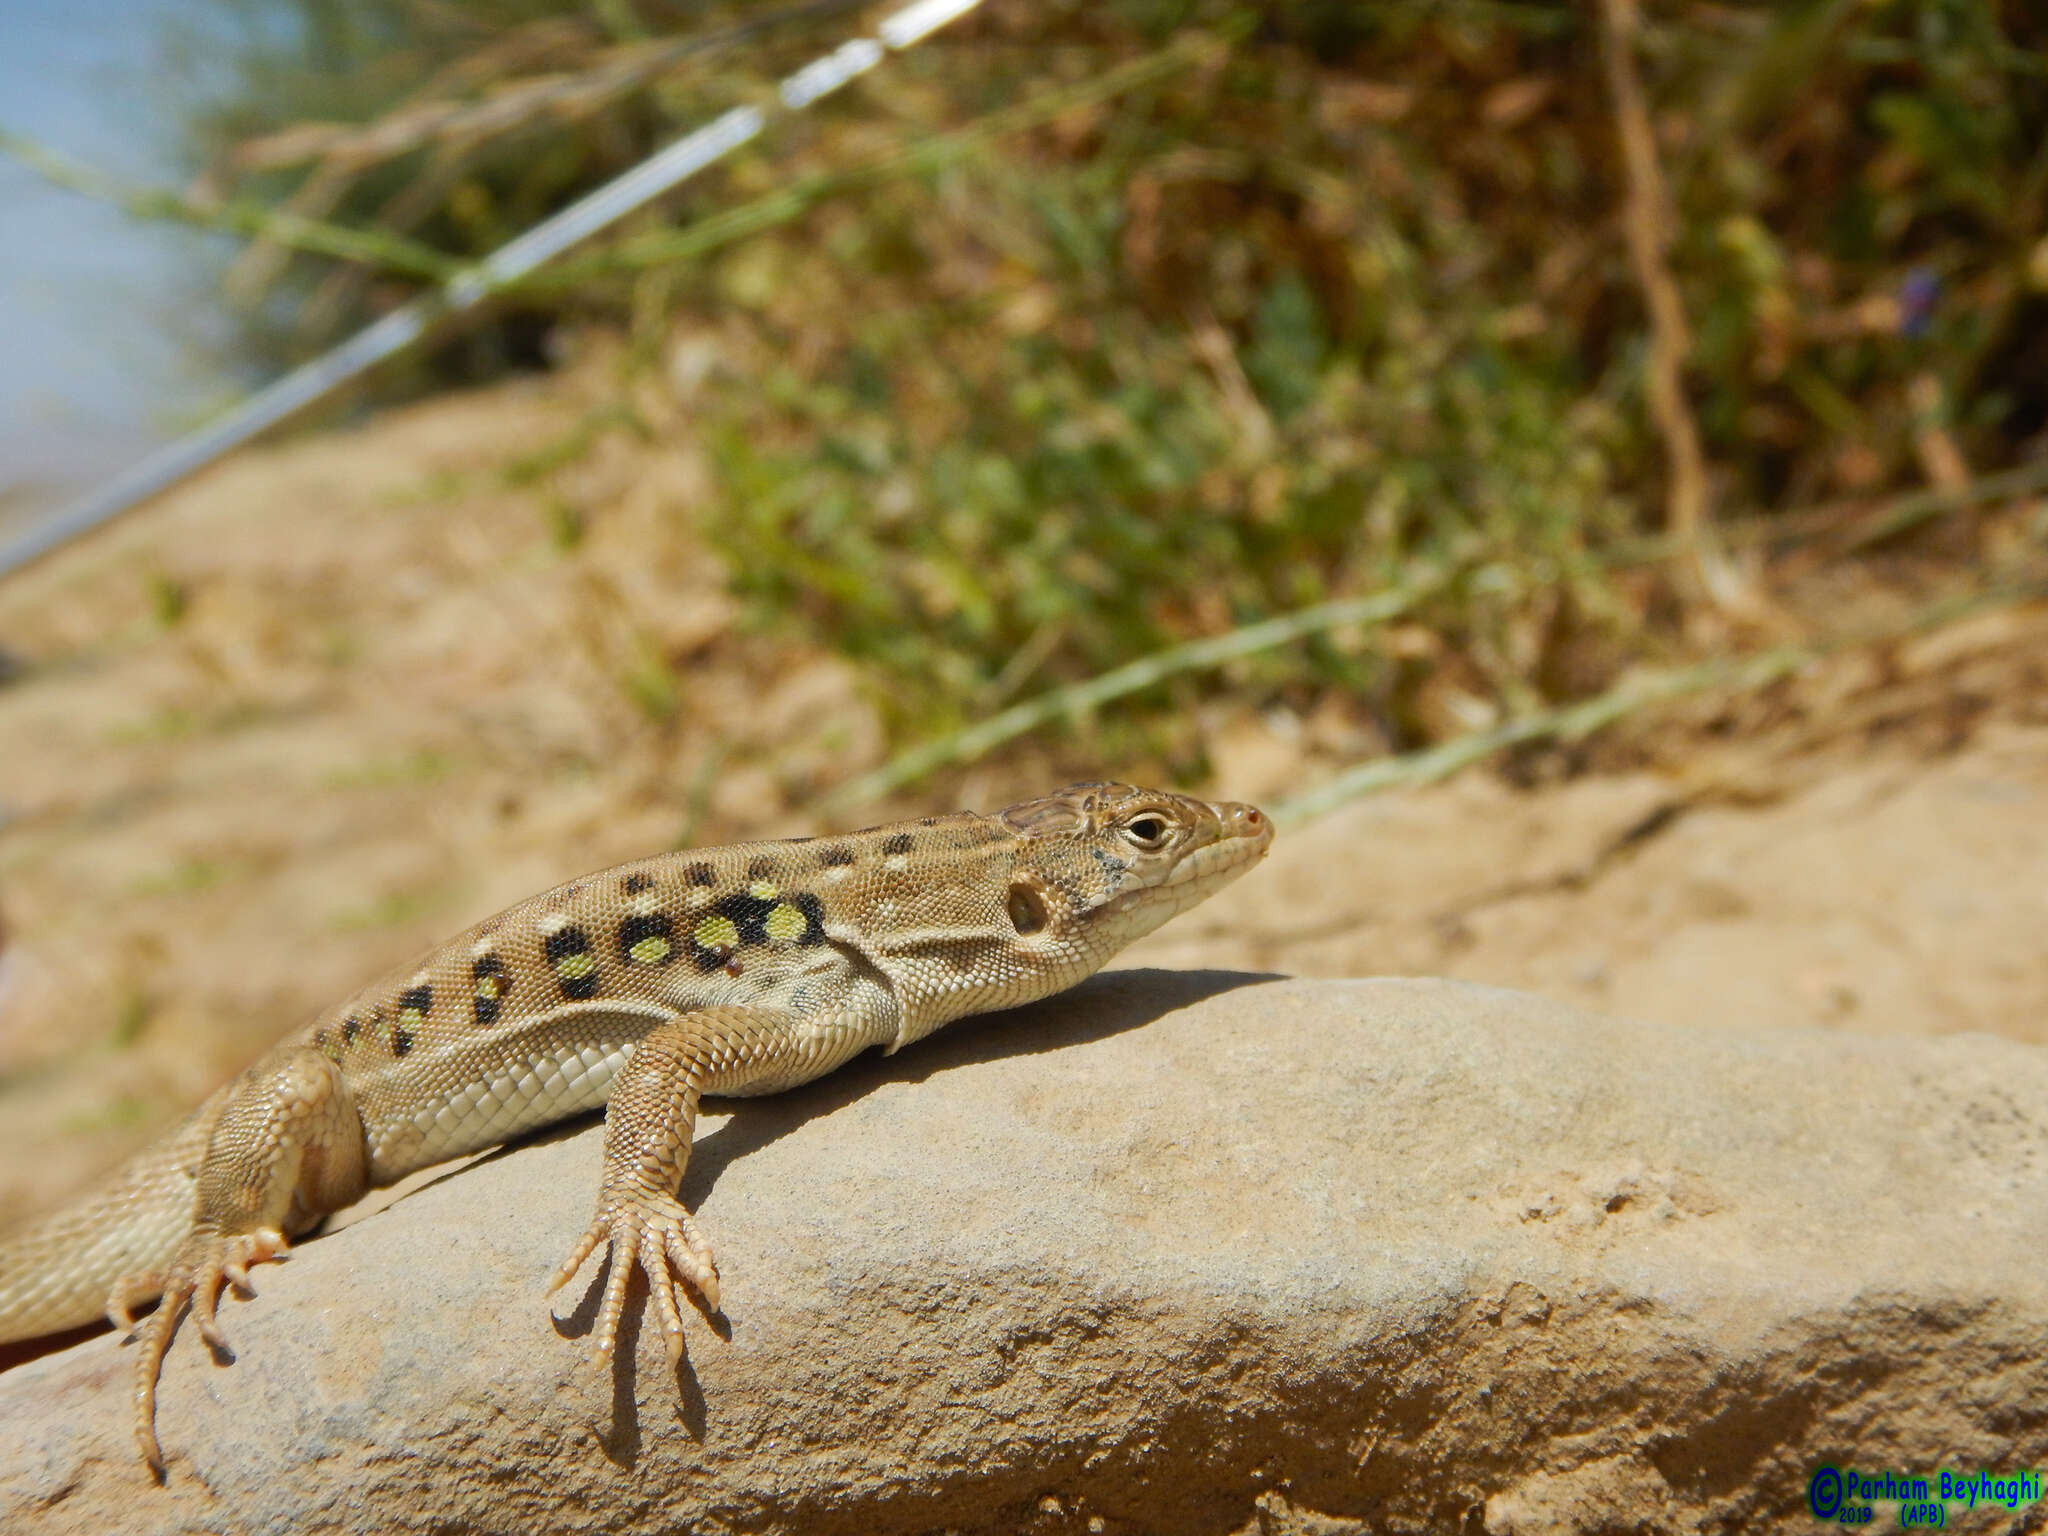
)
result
[(523, 1092), (481, 1090)]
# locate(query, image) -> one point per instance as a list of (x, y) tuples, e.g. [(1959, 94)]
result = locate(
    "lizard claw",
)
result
[(204, 1263), (655, 1234)]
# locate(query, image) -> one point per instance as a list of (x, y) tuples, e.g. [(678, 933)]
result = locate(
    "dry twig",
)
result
[(1635, 694), (1688, 514)]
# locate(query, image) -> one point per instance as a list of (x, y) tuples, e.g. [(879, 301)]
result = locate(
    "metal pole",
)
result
[(404, 326)]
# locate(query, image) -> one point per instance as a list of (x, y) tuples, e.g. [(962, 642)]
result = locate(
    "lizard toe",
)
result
[(691, 1256), (204, 1299), (597, 1232), (129, 1292)]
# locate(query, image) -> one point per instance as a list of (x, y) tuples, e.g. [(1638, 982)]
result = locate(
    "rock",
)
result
[(1191, 1252)]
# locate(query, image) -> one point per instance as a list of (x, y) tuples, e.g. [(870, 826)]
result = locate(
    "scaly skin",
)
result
[(738, 970)]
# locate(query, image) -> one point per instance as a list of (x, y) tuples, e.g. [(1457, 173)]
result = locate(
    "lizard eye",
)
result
[(1146, 831)]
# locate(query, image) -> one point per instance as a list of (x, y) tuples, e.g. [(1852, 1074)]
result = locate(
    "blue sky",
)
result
[(92, 365)]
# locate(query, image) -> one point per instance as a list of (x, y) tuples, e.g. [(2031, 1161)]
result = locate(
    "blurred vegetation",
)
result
[(1342, 294)]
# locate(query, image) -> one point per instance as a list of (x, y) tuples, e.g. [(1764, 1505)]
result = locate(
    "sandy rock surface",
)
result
[(1199, 1252)]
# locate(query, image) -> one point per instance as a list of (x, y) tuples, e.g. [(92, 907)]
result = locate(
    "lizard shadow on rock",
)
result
[(1104, 1005), (1108, 1003)]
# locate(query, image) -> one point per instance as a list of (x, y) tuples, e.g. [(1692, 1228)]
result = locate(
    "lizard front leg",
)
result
[(648, 1122), (287, 1148)]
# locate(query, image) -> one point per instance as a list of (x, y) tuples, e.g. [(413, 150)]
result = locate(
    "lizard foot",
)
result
[(656, 1233), (203, 1265)]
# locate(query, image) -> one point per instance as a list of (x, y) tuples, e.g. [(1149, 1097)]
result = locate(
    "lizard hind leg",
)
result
[(287, 1145), (203, 1265)]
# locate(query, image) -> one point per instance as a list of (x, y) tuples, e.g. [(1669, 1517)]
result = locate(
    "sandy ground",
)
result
[(340, 697)]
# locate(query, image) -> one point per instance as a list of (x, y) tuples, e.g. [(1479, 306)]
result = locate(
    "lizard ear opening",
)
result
[(1027, 908)]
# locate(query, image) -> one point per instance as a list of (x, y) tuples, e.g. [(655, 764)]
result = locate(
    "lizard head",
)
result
[(1099, 865), (1036, 897)]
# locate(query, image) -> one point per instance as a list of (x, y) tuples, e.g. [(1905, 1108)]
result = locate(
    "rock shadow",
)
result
[(1104, 1005)]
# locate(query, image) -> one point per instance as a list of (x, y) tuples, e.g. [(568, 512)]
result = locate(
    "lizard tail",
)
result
[(59, 1271)]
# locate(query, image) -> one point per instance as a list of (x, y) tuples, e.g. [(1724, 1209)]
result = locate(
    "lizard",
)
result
[(727, 971)]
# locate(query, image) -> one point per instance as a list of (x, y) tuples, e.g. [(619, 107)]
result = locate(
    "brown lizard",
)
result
[(740, 970)]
